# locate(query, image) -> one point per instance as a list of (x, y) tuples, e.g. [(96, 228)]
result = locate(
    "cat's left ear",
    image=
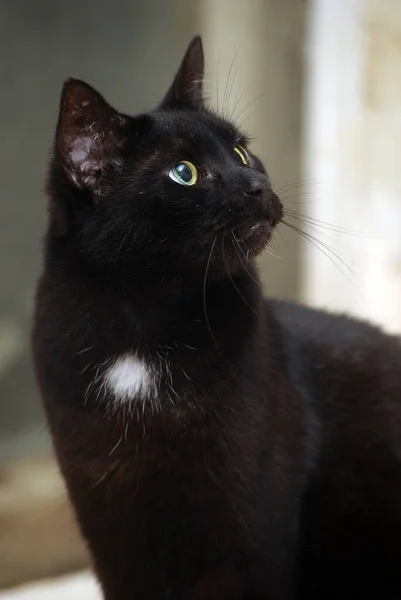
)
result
[(187, 88), (88, 136)]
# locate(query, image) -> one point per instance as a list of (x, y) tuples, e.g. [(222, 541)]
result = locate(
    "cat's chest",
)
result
[(132, 371), (129, 380), (128, 377)]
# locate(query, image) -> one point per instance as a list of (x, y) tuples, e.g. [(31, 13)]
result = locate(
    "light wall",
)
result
[(353, 157)]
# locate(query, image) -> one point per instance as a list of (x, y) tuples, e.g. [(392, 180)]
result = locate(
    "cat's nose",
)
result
[(255, 191), (257, 187)]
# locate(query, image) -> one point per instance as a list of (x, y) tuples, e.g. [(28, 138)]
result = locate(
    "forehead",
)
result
[(200, 130)]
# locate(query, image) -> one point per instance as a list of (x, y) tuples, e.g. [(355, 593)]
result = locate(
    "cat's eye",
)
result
[(243, 154), (184, 173)]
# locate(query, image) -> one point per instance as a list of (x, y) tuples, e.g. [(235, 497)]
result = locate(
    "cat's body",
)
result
[(215, 445)]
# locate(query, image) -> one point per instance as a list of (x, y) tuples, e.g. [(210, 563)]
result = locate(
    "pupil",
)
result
[(184, 172)]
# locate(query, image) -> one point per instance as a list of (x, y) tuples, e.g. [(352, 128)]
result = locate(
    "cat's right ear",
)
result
[(187, 88), (87, 135)]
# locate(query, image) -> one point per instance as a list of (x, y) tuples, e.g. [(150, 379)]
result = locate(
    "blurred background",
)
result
[(317, 83)]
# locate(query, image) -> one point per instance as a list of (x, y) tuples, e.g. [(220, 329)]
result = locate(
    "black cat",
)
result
[(215, 445)]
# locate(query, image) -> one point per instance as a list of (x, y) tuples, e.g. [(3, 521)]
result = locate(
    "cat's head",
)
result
[(174, 190)]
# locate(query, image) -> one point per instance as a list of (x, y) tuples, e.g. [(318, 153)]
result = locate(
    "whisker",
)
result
[(321, 230), (238, 100), (246, 108), (238, 248), (329, 252), (297, 195), (204, 295), (327, 246), (269, 251), (283, 238), (228, 80), (299, 184), (323, 224), (232, 280), (217, 79), (231, 91)]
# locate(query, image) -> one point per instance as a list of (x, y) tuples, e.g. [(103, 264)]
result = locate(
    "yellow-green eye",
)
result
[(243, 154), (184, 173)]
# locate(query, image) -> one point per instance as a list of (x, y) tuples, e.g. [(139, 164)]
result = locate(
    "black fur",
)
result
[(268, 466)]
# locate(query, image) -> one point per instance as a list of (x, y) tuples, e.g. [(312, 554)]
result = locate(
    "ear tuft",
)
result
[(87, 134), (186, 90)]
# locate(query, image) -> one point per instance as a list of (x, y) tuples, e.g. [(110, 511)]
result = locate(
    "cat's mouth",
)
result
[(257, 232), (243, 236), (253, 240)]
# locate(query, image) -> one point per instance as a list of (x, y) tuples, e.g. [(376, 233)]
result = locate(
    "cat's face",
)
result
[(174, 190)]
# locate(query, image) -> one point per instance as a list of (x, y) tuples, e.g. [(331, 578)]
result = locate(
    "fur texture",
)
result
[(215, 445)]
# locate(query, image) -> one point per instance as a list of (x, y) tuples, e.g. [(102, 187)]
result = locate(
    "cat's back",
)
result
[(348, 370), (320, 340)]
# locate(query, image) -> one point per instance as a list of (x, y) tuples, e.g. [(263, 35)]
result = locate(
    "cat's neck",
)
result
[(156, 308)]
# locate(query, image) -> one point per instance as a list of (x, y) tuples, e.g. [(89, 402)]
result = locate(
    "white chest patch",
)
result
[(129, 378)]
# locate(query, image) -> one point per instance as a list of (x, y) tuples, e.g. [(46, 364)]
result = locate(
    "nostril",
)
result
[(254, 192)]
